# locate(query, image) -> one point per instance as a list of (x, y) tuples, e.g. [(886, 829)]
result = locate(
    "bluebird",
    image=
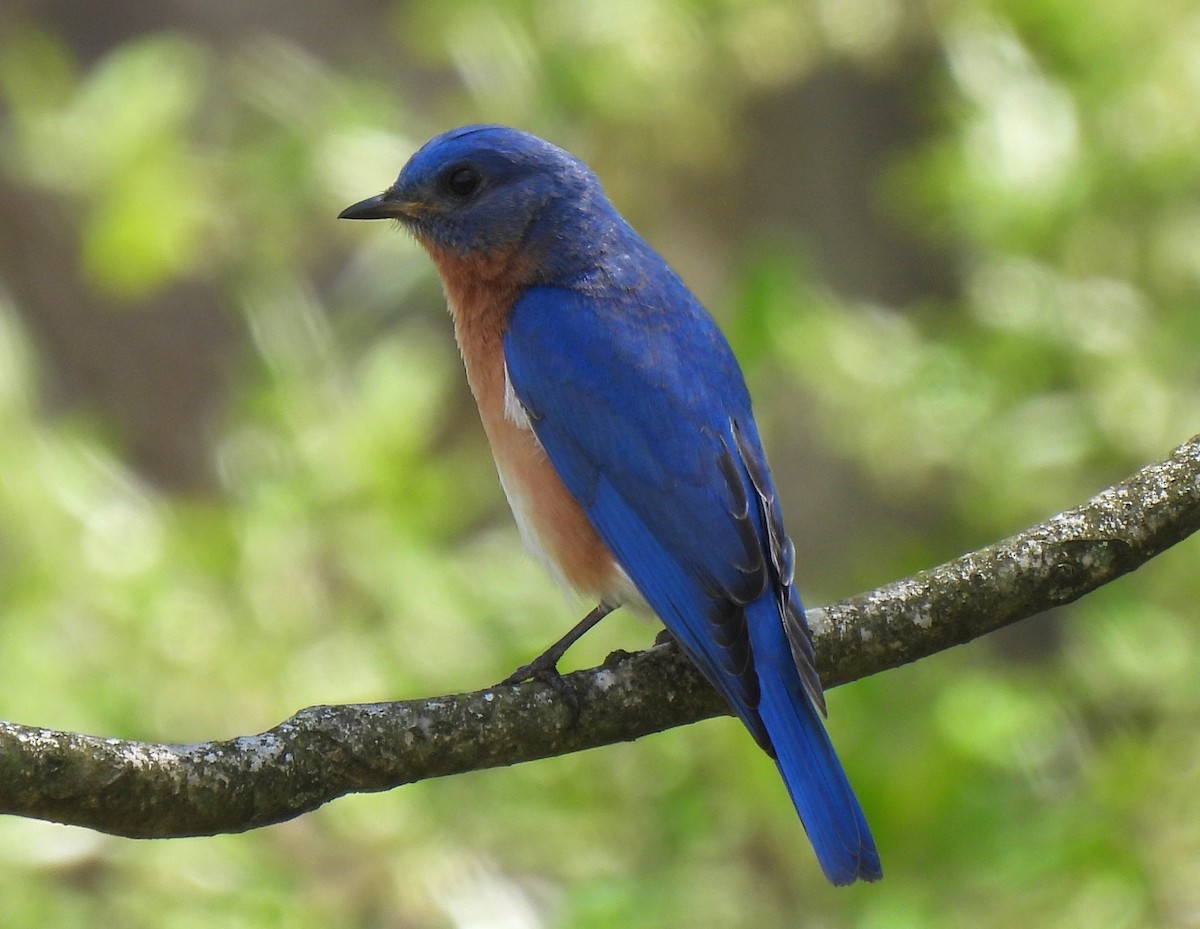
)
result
[(624, 439)]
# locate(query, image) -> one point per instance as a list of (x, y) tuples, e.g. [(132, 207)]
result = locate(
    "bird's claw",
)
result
[(666, 637), (544, 669)]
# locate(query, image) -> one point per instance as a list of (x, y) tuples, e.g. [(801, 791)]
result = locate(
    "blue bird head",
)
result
[(488, 189)]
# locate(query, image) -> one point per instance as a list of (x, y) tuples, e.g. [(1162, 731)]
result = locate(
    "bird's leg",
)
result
[(545, 666)]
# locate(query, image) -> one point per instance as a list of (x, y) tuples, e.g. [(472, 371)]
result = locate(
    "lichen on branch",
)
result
[(145, 789)]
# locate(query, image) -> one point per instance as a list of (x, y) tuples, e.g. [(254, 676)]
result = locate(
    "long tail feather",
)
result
[(815, 779)]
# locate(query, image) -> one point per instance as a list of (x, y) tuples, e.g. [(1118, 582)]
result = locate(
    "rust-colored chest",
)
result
[(481, 293)]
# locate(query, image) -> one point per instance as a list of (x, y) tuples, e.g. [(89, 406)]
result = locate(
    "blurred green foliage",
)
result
[(356, 546)]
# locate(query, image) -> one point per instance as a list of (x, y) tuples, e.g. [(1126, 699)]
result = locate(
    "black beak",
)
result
[(383, 206)]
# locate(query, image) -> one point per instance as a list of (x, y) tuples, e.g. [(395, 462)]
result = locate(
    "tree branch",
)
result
[(144, 789)]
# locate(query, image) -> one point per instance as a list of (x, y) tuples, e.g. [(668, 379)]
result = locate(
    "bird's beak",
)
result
[(384, 206)]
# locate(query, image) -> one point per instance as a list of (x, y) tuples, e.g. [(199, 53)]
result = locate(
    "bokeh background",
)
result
[(957, 247)]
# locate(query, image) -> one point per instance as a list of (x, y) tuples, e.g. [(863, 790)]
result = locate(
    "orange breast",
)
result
[(481, 293)]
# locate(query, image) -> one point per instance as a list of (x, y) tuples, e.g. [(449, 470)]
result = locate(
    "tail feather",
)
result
[(815, 779)]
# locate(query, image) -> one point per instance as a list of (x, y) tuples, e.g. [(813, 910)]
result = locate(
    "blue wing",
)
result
[(643, 411)]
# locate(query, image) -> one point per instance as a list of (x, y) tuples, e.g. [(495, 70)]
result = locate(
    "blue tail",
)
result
[(815, 780)]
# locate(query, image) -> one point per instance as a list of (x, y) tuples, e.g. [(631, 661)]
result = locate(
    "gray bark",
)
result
[(144, 789)]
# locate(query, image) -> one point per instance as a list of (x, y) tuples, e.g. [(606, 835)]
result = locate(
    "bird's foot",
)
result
[(666, 637), (544, 668)]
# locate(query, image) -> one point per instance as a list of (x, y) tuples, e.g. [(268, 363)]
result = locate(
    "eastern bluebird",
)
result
[(624, 438)]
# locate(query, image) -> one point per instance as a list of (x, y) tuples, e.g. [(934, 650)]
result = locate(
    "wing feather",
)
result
[(646, 418)]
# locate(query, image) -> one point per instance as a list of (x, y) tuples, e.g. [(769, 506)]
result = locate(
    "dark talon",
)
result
[(544, 667), (666, 637)]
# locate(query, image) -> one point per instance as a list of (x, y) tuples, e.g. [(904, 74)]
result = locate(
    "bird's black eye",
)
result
[(462, 182)]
